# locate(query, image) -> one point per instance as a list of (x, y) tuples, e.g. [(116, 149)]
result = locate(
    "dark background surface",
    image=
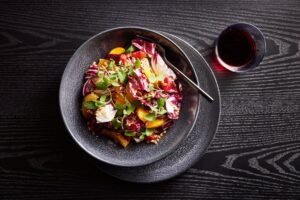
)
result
[(256, 151)]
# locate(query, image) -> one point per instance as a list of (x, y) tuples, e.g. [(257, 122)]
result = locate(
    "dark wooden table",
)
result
[(256, 151)]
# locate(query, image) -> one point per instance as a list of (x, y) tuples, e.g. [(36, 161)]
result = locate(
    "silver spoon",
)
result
[(162, 52)]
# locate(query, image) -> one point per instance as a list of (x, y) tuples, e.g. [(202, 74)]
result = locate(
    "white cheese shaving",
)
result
[(105, 114)]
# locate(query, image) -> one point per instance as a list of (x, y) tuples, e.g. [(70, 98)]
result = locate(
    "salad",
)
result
[(131, 94)]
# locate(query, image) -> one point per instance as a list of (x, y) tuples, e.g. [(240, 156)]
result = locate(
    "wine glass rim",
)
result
[(260, 49)]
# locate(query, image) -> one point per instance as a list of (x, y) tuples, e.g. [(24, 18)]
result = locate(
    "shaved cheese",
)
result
[(105, 114)]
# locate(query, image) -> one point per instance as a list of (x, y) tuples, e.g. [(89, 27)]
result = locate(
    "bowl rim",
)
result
[(83, 146)]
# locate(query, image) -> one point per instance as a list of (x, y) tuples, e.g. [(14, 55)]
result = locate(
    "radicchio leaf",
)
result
[(142, 45), (160, 67), (132, 123), (173, 106), (169, 85), (115, 57), (88, 87), (137, 91), (141, 79), (157, 63), (92, 71)]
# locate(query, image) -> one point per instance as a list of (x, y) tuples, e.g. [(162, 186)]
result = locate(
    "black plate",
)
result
[(195, 145), (102, 148)]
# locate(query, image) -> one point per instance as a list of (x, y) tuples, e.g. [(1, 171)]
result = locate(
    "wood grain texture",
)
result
[(255, 154)]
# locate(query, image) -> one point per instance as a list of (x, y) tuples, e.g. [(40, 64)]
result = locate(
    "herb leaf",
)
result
[(137, 63), (129, 133), (101, 102), (103, 98), (89, 105), (102, 85), (116, 123), (115, 84), (129, 109), (142, 137), (154, 108), (148, 131), (122, 76), (119, 106), (113, 76), (111, 64), (161, 111), (130, 49), (161, 102), (130, 71), (150, 117), (100, 74)]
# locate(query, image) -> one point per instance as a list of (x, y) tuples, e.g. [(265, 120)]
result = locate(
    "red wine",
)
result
[(236, 47)]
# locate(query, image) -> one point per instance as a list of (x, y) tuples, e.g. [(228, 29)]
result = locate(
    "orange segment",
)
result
[(156, 123), (117, 50), (146, 67), (90, 97), (141, 113), (116, 137), (103, 62), (119, 99)]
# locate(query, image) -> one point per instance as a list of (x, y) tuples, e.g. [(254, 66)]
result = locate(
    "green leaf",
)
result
[(129, 133), (142, 137), (116, 69), (116, 123), (161, 111), (111, 64), (89, 105), (135, 103), (154, 108), (115, 84), (99, 104), (129, 109), (103, 98), (102, 85), (119, 113), (113, 76), (152, 78), (148, 131), (100, 74), (119, 106), (137, 63), (161, 102), (150, 117), (122, 76), (130, 49), (130, 71)]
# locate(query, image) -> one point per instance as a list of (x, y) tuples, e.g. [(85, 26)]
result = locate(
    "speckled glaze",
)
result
[(102, 148), (195, 145)]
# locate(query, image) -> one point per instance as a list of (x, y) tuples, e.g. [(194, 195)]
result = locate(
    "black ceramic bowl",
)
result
[(100, 147)]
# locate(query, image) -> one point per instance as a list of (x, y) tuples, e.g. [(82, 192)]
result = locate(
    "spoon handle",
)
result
[(187, 79)]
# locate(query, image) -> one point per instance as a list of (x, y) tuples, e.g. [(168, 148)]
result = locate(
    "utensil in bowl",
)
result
[(102, 148)]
